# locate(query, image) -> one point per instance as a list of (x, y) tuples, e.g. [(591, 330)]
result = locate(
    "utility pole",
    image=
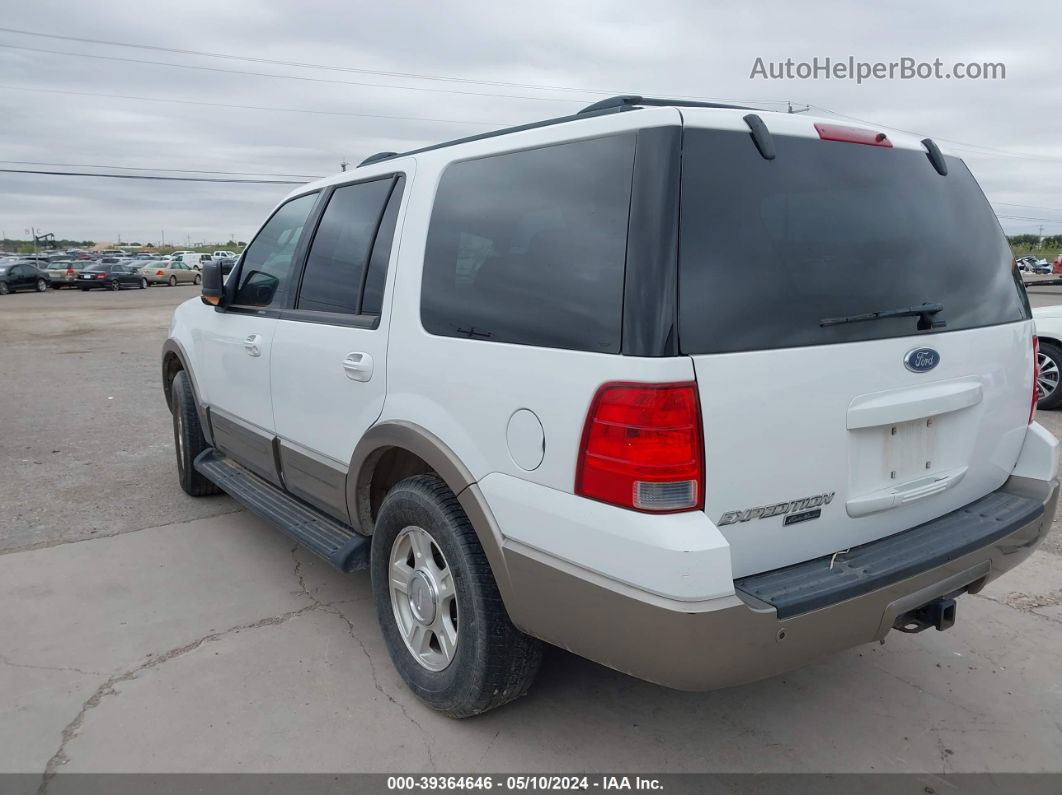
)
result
[(163, 239)]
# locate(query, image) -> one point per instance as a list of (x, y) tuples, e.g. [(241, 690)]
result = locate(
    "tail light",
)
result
[(1036, 377), (69, 271), (159, 273), (642, 448), (101, 276)]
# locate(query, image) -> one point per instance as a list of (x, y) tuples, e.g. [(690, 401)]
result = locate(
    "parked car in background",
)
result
[(224, 254), (172, 272), (22, 275), (1049, 356), (194, 259), (1056, 266), (110, 276), (63, 273)]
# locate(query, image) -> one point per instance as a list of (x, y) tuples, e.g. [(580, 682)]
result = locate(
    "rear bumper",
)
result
[(741, 638)]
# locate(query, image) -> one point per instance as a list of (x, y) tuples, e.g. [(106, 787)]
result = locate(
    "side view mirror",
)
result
[(213, 283)]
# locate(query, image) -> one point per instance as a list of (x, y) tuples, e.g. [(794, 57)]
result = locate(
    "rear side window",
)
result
[(529, 247), (335, 267), (768, 249), (372, 296), (267, 261)]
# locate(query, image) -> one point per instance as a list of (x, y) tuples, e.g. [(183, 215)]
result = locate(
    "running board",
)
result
[(333, 541)]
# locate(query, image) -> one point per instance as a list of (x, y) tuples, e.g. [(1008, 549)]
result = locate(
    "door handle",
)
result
[(253, 345), (358, 366)]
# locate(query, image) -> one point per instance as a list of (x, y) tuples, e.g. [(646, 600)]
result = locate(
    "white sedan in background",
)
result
[(1049, 330)]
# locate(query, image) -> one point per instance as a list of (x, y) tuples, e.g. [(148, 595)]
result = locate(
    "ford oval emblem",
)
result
[(921, 360)]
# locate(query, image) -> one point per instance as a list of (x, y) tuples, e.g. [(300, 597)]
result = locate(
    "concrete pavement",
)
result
[(213, 646)]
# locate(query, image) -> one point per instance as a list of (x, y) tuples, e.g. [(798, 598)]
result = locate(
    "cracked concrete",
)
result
[(242, 653)]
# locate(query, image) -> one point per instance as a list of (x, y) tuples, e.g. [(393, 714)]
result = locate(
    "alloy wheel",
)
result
[(1047, 378), (423, 598)]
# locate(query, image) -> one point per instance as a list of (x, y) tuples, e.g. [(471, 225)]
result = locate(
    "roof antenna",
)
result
[(343, 165), (791, 109)]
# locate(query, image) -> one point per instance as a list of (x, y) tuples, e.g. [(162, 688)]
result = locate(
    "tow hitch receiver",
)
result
[(939, 613)]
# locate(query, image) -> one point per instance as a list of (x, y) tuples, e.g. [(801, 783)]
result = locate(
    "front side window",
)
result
[(335, 266), (268, 261), (530, 247)]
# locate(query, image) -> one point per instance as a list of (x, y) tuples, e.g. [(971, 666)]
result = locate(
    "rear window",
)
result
[(529, 247), (770, 248)]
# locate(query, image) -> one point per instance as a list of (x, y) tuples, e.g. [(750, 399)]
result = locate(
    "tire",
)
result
[(173, 281), (115, 286), (143, 283), (197, 279), (492, 662), (4, 289), (41, 285), (188, 439), (1048, 382), (84, 289)]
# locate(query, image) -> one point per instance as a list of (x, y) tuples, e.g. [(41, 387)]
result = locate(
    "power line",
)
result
[(251, 107), (147, 176), (284, 77), (1028, 218), (152, 168), (1030, 206), (358, 70)]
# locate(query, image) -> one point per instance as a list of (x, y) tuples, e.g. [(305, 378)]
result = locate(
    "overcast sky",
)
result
[(679, 48)]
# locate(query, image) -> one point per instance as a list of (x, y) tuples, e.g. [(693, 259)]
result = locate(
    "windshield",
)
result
[(770, 248)]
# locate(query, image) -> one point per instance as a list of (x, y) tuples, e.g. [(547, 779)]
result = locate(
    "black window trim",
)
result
[(358, 319), (234, 277)]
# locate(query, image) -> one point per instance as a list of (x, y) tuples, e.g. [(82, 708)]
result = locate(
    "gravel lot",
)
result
[(143, 630)]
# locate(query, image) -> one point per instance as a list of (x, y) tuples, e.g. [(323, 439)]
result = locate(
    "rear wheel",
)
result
[(442, 616), (41, 285), (188, 438), (116, 286), (173, 281), (197, 279), (1048, 391)]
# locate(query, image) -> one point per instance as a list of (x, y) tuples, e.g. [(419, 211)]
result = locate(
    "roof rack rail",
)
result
[(605, 106), (376, 158), (630, 101)]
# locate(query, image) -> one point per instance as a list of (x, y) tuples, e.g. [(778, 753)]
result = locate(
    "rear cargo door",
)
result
[(821, 434)]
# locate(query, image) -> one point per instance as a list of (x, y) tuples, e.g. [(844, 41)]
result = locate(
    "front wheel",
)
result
[(188, 438), (1048, 391), (143, 283), (438, 605), (4, 289)]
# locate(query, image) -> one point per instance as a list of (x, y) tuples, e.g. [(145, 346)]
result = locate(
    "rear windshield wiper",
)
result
[(924, 313)]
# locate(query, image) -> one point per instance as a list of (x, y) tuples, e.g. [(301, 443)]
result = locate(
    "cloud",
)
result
[(681, 47)]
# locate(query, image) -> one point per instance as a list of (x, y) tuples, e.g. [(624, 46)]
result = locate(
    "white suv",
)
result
[(529, 381)]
